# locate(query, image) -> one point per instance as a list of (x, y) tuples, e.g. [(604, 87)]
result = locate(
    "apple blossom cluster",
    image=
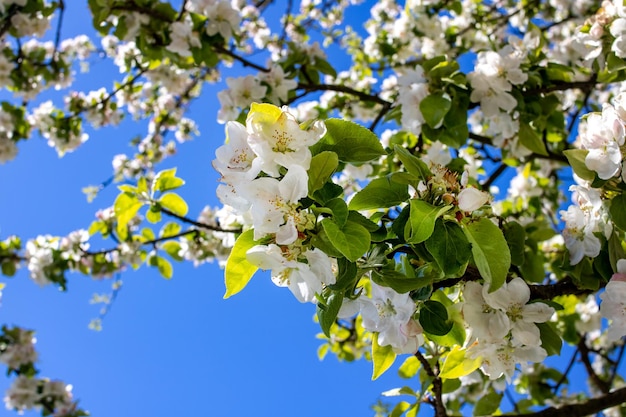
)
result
[(207, 246), (274, 86), (28, 391), (47, 257), (263, 168), (503, 330), (583, 219), (492, 80)]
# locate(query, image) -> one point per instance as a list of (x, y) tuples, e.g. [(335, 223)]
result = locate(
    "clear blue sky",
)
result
[(168, 348)]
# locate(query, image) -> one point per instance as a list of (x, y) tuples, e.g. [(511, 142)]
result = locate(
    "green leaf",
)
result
[(174, 203), (529, 138), (434, 108), (412, 164), (172, 248), (457, 364), (238, 270), (434, 318), (382, 357), (533, 267), (399, 281), (456, 335), (422, 220), (166, 180), (550, 339), (340, 210), (323, 165), (163, 265), (126, 206), (351, 142), (8, 269), (450, 248), (352, 240), (153, 215), (617, 210), (490, 251), (515, 236), (327, 313), (409, 367), (170, 229), (576, 158), (346, 274), (488, 404), (379, 193)]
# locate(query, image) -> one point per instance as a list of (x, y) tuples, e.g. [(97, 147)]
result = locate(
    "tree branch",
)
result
[(198, 224), (589, 407), (344, 89)]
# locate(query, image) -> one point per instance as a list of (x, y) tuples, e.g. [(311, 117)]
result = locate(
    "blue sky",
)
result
[(172, 347)]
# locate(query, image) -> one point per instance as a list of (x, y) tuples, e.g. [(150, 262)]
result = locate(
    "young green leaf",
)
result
[(174, 203), (422, 220), (382, 357), (412, 164), (238, 270), (457, 364)]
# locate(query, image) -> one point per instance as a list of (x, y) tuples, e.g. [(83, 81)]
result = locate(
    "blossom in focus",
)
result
[(277, 138), (471, 199), (613, 305), (303, 279), (390, 314)]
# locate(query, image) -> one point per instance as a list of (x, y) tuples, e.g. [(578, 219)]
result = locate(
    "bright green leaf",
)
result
[(412, 164), (174, 203), (238, 270), (382, 357), (457, 364), (422, 220)]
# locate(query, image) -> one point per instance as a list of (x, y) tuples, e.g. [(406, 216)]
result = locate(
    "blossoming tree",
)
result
[(452, 197)]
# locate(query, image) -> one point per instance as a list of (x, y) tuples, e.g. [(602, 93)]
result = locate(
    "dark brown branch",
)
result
[(590, 407), (563, 287), (245, 62), (563, 86), (601, 384), (344, 89), (198, 224), (494, 176), (380, 116), (440, 409)]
